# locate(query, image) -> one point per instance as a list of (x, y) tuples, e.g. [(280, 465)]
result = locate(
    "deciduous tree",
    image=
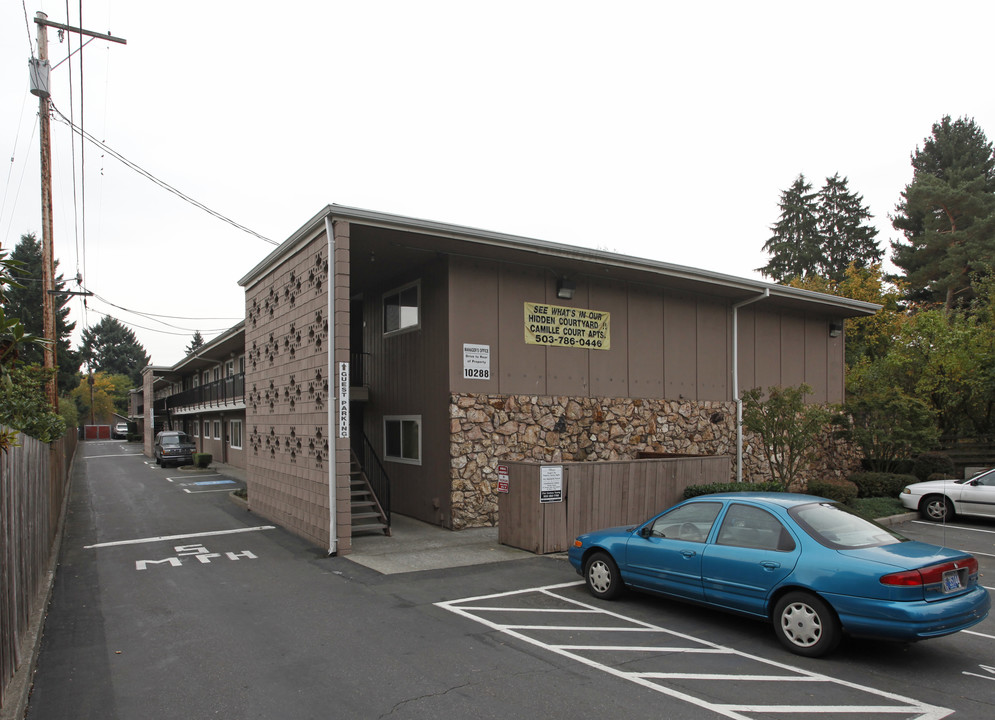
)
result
[(787, 427)]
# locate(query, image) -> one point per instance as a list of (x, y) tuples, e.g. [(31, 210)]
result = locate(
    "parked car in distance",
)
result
[(173, 447), (120, 431), (940, 500), (804, 563)]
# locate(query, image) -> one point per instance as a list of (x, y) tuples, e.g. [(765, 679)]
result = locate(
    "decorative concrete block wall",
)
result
[(287, 393)]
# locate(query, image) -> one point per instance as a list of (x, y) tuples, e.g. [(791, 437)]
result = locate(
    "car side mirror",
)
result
[(645, 531)]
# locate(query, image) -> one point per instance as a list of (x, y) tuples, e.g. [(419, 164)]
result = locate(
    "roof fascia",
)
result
[(549, 249)]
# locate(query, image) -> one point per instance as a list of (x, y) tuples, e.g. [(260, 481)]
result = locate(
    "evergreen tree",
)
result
[(112, 348), (25, 303), (795, 246), (846, 235), (196, 343), (947, 214)]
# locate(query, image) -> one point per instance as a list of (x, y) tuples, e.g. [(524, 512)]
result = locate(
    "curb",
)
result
[(897, 519)]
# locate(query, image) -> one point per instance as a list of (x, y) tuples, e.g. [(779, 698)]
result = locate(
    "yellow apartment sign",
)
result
[(567, 327)]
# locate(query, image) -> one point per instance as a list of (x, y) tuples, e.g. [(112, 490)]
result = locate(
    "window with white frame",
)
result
[(196, 428), (217, 429), (402, 439), (235, 434), (401, 309)]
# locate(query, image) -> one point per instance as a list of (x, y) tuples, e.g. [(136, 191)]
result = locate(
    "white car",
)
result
[(940, 500)]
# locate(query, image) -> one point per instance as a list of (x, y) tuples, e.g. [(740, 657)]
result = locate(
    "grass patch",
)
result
[(877, 507), (241, 493)]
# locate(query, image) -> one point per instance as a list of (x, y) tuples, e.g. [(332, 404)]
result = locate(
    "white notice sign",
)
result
[(551, 483), (344, 400), (476, 361)]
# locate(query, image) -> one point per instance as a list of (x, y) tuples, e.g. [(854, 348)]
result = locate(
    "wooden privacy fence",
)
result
[(593, 495), (33, 482)]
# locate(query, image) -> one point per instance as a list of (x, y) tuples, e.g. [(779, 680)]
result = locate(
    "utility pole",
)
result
[(47, 253), (40, 87)]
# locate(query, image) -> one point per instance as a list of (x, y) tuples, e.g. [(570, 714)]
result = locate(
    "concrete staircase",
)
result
[(367, 514)]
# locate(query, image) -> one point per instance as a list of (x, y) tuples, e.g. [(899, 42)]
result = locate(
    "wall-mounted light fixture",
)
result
[(835, 328), (565, 289)]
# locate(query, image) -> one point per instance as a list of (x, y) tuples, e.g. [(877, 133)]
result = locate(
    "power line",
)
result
[(156, 330), (161, 183), (155, 315)]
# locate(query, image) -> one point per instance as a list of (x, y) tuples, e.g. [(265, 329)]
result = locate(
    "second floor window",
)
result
[(401, 309)]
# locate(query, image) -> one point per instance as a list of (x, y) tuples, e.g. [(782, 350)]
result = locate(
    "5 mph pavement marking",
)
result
[(660, 659)]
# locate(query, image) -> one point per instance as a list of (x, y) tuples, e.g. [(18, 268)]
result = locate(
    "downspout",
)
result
[(735, 379), (333, 538)]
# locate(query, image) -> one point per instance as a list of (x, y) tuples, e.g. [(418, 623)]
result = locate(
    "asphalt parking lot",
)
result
[(172, 601)]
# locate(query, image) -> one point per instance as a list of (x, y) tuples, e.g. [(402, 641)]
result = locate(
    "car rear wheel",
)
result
[(602, 576), (936, 508), (806, 625)]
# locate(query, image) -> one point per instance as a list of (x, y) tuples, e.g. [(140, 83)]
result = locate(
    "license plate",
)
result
[(951, 581)]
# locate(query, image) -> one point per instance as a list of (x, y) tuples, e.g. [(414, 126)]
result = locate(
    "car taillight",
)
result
[(929, 575)]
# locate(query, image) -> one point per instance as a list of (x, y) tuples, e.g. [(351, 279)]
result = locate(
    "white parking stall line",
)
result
[(163, 538), (952, 527), (974, 632), (669, 667)]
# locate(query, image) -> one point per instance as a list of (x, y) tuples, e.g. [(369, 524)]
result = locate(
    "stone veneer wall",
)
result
[(486, 430)]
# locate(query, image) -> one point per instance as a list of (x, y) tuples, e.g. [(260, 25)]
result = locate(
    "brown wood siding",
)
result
[(768, 351), (645, 356), (747, 318), (664, 344), (816, 362), (474, 300), (680, 346), (792, 350), (712, 355), (521, 368), (408, 375), (610, 369)]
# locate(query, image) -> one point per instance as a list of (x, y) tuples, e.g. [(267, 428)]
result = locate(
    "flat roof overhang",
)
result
[(399, 243)]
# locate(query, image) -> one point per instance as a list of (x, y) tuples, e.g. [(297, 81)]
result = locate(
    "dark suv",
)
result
[(174, 447)]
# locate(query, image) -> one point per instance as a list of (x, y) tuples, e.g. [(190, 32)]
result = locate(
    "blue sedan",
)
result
[(807, 564)]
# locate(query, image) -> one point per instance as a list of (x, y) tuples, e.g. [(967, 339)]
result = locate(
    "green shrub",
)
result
[(933, 463), (893, 466), (202, 460), (880, 484), (844, 492), (696, 490)]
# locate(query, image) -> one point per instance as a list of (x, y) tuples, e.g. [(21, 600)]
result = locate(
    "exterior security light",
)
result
[(565, 289), (835, 328)]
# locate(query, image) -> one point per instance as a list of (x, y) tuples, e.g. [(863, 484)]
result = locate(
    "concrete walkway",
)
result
[(414, 546)]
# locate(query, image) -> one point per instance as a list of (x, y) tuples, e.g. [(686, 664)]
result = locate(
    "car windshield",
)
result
[(837, 527), (174, 439)]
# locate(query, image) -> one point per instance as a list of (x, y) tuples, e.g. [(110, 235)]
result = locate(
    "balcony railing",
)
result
[(227, 391)]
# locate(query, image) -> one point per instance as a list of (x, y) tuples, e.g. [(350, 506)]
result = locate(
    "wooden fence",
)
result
[(594, 495), (33, 481), (969, 452)]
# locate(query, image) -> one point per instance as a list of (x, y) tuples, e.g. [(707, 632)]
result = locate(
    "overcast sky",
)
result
[(662, 130)]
